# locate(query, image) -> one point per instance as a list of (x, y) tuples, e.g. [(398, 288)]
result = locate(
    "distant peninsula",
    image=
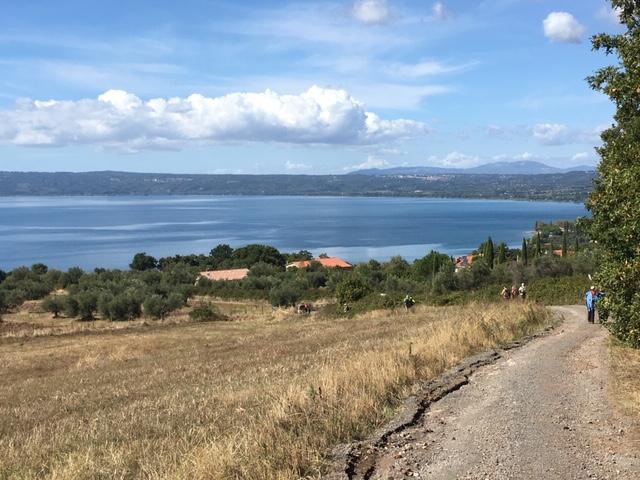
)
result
[(571, 187)]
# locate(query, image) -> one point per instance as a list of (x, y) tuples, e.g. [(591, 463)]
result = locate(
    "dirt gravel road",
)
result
[(542, 411)]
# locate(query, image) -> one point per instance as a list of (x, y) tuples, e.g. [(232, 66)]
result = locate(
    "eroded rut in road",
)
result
[(541, 411)]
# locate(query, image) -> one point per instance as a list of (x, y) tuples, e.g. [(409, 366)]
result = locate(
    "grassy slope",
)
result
[(249, 399)]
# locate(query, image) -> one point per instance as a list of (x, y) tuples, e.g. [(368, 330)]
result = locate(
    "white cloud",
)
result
[(372, 161), (289, 165), (372, 12), (524, 156), (551, 133), (563, 27), (122, 120), (580, 157), (425, 69), (455, 159), (561, 134), (439, 11)]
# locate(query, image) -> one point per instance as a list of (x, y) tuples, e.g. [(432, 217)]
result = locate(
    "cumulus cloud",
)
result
[(563, 27), (551, 133), (561, 134), (372, 12), (122, 120), (372, 161)]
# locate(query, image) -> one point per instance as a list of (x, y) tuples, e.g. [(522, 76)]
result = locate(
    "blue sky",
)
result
[(298, 87)]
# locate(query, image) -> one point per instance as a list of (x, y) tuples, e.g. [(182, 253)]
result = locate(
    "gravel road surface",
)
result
[(542, 411)]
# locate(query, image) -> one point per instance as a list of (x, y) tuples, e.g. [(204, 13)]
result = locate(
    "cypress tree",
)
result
[(502, 254), (489, 252), (565, 251), (538, 245), (525, 254), (615, 200)]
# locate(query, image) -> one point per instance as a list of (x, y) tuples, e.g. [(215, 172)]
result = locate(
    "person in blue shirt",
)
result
[(591, 297)]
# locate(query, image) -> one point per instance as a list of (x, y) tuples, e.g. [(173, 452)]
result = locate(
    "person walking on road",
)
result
[(522, 291), (591, 298), (505, 293), (408, 302)]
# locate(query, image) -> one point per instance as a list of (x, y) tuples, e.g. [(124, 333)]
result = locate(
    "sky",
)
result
[(306, 87)]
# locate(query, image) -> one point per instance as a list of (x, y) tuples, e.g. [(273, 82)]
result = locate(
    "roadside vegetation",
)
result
[(625, 368), (615, 200)]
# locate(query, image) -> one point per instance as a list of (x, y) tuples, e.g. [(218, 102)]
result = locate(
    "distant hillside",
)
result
[(524, 167), (574, 186)]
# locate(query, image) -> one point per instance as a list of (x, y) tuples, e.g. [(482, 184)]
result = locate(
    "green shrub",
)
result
[(351, 289), (39, 268), (285, 295), (262, 269), (70, 307), (72, 276), (206, 312), (4, 305), (87, 304), (141, 261), (15, 298), (53, 305), (122, 306), (159, 307), (568, 290)]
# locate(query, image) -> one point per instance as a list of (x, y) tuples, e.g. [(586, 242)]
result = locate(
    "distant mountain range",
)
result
[(525, 167)]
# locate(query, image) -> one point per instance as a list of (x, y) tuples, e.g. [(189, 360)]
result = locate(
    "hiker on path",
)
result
[(522, 291), (591, 298), (505, 293), (408, 301)]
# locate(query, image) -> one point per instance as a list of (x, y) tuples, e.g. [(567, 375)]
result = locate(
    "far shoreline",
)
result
[(209, 195)]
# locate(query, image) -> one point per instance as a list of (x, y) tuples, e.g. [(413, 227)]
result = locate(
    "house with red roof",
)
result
[(464, 261), (327, 262), (234, 274)]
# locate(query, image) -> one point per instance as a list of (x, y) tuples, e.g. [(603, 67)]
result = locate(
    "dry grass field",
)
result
[(625, 365), (264, 397)]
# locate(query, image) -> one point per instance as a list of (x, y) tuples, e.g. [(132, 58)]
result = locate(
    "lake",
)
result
[(107, 231)]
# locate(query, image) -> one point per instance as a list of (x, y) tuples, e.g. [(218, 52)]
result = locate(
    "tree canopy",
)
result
[(615, 200)]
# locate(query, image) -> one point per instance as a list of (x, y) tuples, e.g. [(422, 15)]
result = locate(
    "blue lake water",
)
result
[(107, 231)]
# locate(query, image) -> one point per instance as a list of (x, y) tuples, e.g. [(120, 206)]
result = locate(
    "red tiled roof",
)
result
[(465, 260), (330, 262), (334, 262), (235, 274)]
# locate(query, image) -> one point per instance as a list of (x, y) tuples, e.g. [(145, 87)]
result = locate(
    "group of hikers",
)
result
[(592, 297), (513, 293)]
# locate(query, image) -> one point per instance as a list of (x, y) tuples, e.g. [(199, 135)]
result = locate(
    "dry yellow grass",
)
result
[(251, 399), (625, 366)]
